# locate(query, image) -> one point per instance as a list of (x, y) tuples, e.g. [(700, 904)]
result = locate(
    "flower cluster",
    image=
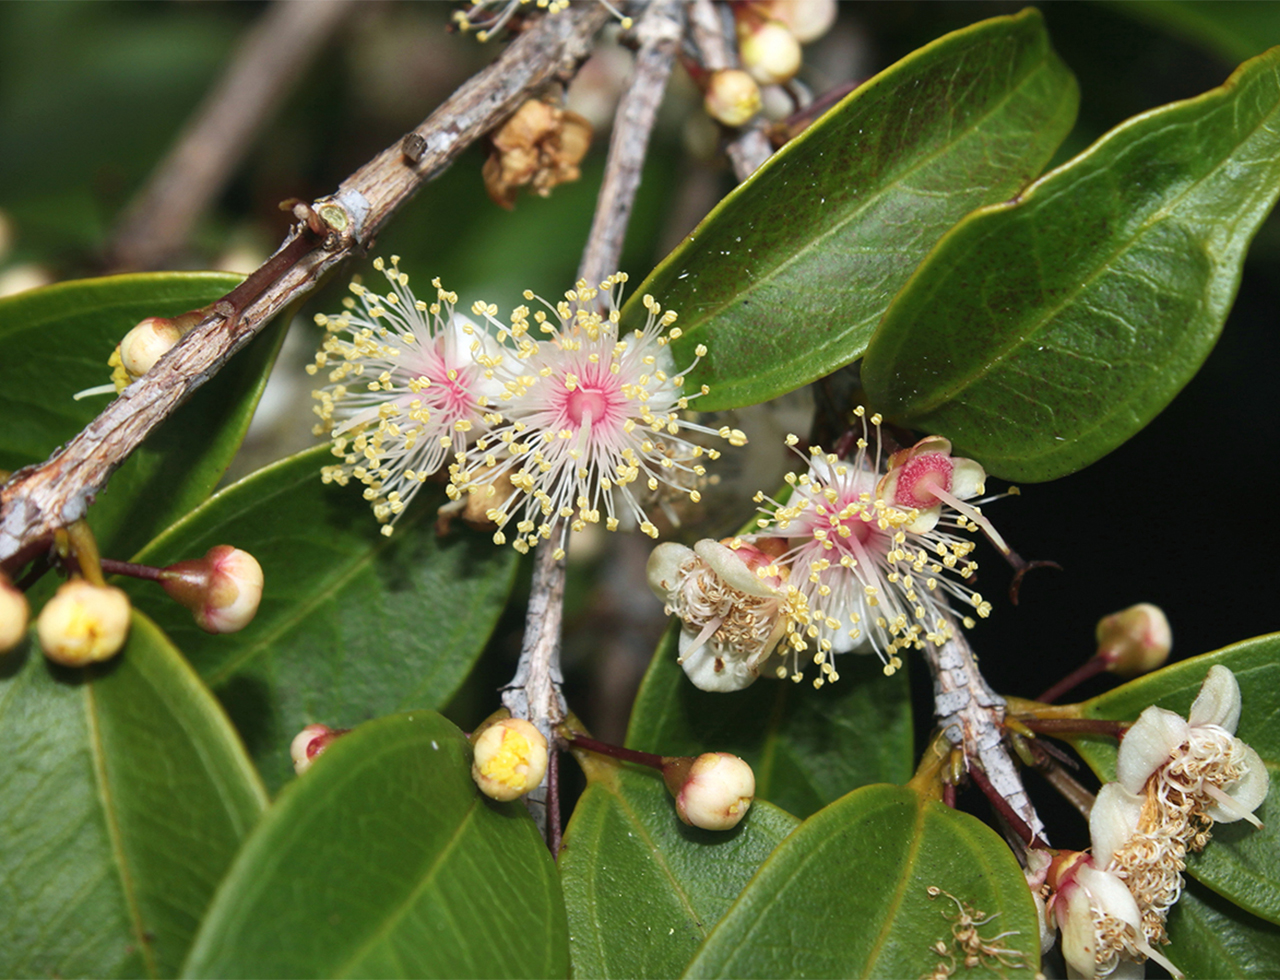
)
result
[(557, 417), (860, 557), (1176, 777)]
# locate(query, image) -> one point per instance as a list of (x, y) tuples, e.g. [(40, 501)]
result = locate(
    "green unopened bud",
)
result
[(14, 614), (1135, 640), (732, 98), (713, 791), (510, 759), (222, 589), (770, 52), (83, 623)]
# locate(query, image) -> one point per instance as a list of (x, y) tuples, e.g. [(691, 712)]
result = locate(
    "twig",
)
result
[(268, 63), (42, 498), (971, 716), (717, 49), (534, 692)]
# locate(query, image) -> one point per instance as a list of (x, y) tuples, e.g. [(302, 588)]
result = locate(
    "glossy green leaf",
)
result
[(352, 624), (1209, 937), (124, 796), (847, 895), (1042, 333), (56, 342), (384, 860), (642, 889), (807, 747), (786, 279), (1241, 863)]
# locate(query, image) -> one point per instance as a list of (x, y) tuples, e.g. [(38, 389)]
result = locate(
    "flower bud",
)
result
[(713, 791), (146, 343), (1135, 640), (808, 20), (309, 743), (83, 623), (732, 98), (510, 759), (14, 613), (769, 52), (222, 589)]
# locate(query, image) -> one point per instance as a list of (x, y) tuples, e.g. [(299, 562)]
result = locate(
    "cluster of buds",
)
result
[(540, 146), (770, 34), (863, 556), (1176, 777)]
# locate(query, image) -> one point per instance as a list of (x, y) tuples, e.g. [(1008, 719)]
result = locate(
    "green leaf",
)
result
[(1042, 333), (807, 747), (56, 342), (124, 796), (641, 888), (1235, 31), (384, 860), (1210, 937), (847, 895), (786, 279), (352, 624), (1240, 863)]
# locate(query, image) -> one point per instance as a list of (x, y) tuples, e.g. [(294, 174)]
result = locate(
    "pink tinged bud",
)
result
[(770, 52), (83, 623), (732, 98), (14, 614), (309, 743), (222, 589), (1135, 640), (713, 791), (146, 343), (510, 759), (808, 20)]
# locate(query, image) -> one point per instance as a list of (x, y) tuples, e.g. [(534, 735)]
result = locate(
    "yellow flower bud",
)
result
[(146, 343), (83, 623), (510, 759), (732, 98), (770, 52), (14, 613), (713, 791)]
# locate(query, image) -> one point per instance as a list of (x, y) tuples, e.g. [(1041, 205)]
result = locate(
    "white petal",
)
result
[(1218, 702), (1079, 939), (664, 567), (926, 520), (1247, 792), (733, 571), (1111, 895), (1147, 746), (1113, 821), (968, 478), (1128, 970), (710, 671)]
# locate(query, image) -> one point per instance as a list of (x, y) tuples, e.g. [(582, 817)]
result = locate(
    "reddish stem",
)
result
[(617, 751), (1095, 665), (554, 834), (1004, 809), (132, 569), (1075, 726)]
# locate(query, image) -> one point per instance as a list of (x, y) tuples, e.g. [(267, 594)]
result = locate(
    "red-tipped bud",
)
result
[(14, 614), (83, 623), (770, 52), (1135, 640), (732, 98), (713, 791), (510, 759), (222, 589), (310, 742)]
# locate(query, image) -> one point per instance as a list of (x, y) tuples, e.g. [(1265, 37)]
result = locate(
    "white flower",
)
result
[(732, 604), (876, 557), (405, 390), (1196, 766), (584, 419)]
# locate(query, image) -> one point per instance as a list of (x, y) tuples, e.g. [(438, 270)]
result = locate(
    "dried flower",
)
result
[(406, 388), (83, 623), (877, 557), (713, 791), (732, 97), (14, 613), (583, 417), (510, 759), (733, 606), (541, 145), (222, 589)]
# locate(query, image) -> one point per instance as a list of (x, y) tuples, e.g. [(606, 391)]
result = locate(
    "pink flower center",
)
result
[(583, 400), (919, 477)]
